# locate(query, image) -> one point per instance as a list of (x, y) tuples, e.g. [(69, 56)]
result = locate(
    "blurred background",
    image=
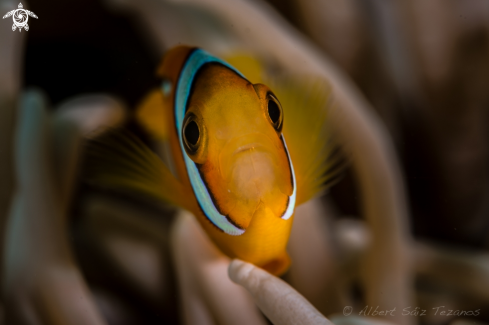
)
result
[(423, 67)]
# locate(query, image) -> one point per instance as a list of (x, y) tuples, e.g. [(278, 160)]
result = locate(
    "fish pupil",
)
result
[(273, 111), (192, 133)]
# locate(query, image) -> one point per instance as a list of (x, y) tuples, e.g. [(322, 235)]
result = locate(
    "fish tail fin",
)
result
[(118, 160)]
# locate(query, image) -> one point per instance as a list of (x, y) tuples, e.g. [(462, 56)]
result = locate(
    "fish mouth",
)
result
[(248, 147), (251, 141)]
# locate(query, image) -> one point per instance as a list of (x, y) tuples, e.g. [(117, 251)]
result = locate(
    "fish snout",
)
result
[(255, 171)]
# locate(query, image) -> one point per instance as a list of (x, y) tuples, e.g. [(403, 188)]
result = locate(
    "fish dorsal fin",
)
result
[(152, 114), (247, 64), (119, 160), (307, 106)]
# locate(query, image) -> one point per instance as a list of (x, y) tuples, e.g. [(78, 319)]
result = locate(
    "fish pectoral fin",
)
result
[(119, 160), (317, 160)]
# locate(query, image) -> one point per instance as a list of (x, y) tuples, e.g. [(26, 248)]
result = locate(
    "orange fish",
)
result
[(241, 160)]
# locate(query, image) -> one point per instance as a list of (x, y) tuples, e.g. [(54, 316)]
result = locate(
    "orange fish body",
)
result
[(241, 158), (232, 167)]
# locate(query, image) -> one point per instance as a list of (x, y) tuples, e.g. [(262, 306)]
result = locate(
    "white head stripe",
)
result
[(290, 208)]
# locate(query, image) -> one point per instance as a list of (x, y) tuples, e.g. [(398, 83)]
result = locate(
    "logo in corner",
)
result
[(20, 17), (347, 310)]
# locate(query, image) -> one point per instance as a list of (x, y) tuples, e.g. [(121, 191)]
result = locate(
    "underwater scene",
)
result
[(244, 162)]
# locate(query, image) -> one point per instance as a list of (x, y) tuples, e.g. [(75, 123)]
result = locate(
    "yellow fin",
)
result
[(248, 65), (153, 116), (307, 103), (119, 160)]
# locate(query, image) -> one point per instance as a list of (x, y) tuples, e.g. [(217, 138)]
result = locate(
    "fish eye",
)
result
[(275, 113), (191, 134)]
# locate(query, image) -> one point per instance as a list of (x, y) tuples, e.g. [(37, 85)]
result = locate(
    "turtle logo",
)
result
[(20, 16)]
